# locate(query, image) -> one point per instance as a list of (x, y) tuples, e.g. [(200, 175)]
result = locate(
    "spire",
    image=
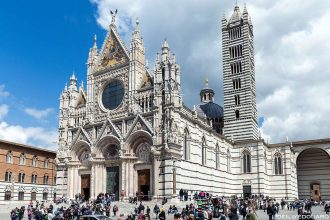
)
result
[(95, 45), (73, 82), (236, 16), (245, 9), (165, 50), (73, 78), (136, 32)]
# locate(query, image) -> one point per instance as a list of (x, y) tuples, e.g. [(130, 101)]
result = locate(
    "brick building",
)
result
[(26, 172)]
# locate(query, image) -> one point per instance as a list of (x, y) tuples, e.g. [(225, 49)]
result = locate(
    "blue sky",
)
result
[(43, 42)]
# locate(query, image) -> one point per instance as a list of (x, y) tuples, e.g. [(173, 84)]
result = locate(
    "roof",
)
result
[(304, 142), (236, 16), (210, 109), (27, 146)]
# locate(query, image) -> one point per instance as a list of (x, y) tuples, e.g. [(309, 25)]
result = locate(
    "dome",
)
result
[(211, 110)]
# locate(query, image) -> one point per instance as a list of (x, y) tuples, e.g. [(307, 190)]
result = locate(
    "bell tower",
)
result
[(240, 111)]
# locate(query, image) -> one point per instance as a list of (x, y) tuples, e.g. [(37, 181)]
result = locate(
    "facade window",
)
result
[(186, 145), (235, 51), (217, 157), (33, 196), (237, 114), (246, 160), (44, 196), (203, 152), (21, 177), (236, 67), (7, 195), (237, 83), (9, 157), (54, 180), (237, 100), (35, 161), (34, 178), (22, 159), (228, 161), (20, 196), (278, 164), (46, 180), (235, 33), (46, 163), (8, 176)]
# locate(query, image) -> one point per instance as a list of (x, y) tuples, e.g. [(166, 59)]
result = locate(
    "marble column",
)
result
[(155, 179)]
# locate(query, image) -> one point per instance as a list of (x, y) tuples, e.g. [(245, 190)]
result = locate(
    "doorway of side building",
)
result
[(33, 196), (85, 185), (315, 192), (144, 184), (246, 191)]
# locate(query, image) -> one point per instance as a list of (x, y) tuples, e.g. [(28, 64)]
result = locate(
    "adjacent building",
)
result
[(129, 131), (27, 173)]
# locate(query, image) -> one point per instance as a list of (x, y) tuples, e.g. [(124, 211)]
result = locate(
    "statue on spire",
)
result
[(113, 16)]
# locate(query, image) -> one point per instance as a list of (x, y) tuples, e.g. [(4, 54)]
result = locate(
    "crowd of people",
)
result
[(202, 206)]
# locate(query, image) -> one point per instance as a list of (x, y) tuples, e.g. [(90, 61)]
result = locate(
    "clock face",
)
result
[(113, 94)]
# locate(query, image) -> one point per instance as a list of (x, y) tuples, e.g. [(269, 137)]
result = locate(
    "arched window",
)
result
[(228, 161), (9, 157), (22, 159), (217, 157), (246, 160), (203, 151), (34, 178), (8, 176), (46, 179), (21, 177), (35, 161), (46, 163), (278, 164), (186, 145), (237, 114)]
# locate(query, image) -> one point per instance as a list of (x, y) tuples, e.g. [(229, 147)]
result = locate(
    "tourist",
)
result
[(156, 210), (115, 210), (162, 214)]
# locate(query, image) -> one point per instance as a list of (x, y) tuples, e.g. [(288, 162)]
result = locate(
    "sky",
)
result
[(43, 42)]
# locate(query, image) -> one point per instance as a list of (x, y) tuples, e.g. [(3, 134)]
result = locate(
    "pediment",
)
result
[(109, 128), (113, 52), (81, 135), (138, 124)]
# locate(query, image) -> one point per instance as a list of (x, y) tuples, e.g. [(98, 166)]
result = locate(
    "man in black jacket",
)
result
[(270, 211)]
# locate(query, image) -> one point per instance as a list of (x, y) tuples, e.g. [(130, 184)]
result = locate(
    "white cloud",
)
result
[(3, 111), (38, 114), (291, 50), (3, 92), (35, 136)]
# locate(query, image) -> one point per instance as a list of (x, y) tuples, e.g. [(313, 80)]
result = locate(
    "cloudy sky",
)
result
[(42, 44)]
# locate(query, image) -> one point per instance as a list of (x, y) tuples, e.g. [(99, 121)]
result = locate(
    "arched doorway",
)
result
[(313, 174)]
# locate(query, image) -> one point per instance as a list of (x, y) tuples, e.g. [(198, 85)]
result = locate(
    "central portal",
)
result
[(144, 184), (113, 181), (85, 186)]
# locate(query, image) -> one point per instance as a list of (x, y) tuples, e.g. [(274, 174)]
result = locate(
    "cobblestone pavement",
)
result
[(126, 208)]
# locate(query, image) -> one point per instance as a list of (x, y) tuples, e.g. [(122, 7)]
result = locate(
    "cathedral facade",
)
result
[(129, 130)]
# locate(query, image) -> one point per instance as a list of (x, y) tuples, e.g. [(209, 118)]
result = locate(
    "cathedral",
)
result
[(130, 132)]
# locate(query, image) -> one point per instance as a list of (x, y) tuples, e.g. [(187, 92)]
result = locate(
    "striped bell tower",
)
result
[(240, 111)]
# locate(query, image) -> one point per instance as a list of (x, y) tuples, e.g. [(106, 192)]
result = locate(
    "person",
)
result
[(181, 194), (148, 210), (177, 216), (115, 210), (270, 211), (156, 210), (233, 213), (243, 211), (162, 214)]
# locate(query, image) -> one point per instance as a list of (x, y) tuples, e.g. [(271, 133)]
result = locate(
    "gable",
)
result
[(109, 128), (139, 123), (113, 52), (80, 135)]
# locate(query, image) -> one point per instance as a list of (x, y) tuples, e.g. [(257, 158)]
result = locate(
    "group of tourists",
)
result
[(202, 206)]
